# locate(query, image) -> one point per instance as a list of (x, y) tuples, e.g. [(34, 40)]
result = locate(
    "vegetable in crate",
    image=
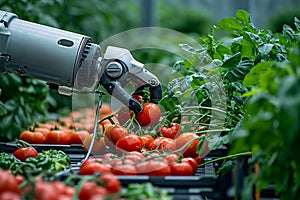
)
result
[(25, 151)]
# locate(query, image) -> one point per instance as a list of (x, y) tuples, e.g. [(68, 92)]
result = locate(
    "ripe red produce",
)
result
[(99, 145), (150, 115), (124, 169), (113, 133), (172, 157), (181, 169), (162, 143), (130, 142), (77, 137), (25, 152), (138, 97), (111, 182), (90, 189), (33, 137), (153, 168), (171, 131), (58, 137), (90, 167), (9, 196), (124, 114), (146, 140), (8, 183), (185, 138), (193, 162)]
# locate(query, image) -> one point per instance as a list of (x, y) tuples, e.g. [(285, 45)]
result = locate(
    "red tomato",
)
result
[(108, 156), (9, 196), (136, 153), (192, 162), (133, 157), (90, 189), (111, 182), (98, 147), (25, 152), (120, 161), (138, 97), (113, 133), (33, 137), (105, 110), (58, 137), (146, 140), (8, 183), (130, 142), (150, 114), (183, 139), (77, 137), (172, 157), (91, 168), (199, 159), (172, 131), (162, 143), (124, 114), (181, 169), (124, 169), (153, 168)]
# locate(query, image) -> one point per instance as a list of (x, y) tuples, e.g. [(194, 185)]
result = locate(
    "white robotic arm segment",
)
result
[(70, 62)]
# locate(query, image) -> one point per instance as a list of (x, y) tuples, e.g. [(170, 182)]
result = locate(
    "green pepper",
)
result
[(6, 160)]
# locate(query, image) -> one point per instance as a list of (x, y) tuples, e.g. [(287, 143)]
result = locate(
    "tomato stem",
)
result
[(247, 153)]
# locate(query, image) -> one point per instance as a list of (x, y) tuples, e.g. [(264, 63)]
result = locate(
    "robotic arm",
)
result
[(70, 62)]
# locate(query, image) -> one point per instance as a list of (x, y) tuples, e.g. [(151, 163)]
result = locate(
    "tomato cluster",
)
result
[(9, 186), (137, 163), (72, 129), (100, 187)]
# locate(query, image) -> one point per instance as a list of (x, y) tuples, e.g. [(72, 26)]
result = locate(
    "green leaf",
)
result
[(297, 23), (265, 49), (3, 111), (243, 16), (233, 61), (229, 24), (226, 167), (254, 77)]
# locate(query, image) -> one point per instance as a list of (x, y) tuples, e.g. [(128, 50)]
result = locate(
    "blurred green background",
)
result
[(27, 100)]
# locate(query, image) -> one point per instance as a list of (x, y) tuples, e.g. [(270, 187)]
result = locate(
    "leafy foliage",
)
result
[(260, 77), (23, 100)]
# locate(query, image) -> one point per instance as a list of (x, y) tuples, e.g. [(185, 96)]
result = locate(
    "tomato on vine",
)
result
[(171, 131), (150, 115), (191, 140), (113, 133), (130, 142)]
